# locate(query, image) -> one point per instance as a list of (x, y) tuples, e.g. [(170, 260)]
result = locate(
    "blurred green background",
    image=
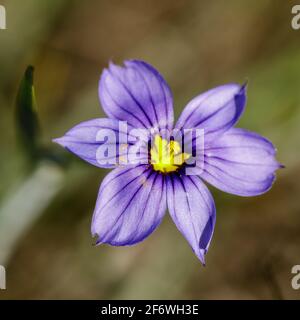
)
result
[(45, 212)]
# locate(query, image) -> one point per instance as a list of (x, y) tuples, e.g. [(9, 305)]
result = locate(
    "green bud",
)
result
[(26, 115)]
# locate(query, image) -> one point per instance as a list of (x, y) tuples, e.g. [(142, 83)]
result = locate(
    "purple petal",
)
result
[(85, 139), (192, 209), (215, 111), (136, 93), (240, 162), (131, 204)]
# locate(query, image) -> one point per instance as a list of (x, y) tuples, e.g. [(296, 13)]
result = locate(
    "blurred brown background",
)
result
[(196, 45)]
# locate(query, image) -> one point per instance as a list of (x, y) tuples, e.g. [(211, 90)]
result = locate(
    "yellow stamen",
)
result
[(167, 157)]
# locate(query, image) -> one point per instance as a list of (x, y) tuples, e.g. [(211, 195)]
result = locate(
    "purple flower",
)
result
[(133, 198)]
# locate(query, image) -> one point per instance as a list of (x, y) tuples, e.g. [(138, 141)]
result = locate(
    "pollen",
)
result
[(167, 156)]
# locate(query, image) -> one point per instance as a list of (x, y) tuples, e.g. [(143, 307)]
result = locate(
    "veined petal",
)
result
[(131, 204), (215, 111), (240, 162), (101, 142), (136, 93), (192, 209)]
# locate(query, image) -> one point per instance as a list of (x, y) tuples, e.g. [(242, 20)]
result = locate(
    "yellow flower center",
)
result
[(167, 157)]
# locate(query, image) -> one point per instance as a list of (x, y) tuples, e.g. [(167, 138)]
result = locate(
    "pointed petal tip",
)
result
[(60, 141), (113, 66), (110, 64), (103, 73), (98, 243), (97, 240), (201, 257), (243, 89), (245, 84), (278, 165)]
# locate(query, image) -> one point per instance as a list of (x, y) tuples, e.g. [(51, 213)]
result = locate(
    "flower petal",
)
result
[(131, 204), (100, 142), (215, 111), (136, 93), (192, 209), (240, 162)]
